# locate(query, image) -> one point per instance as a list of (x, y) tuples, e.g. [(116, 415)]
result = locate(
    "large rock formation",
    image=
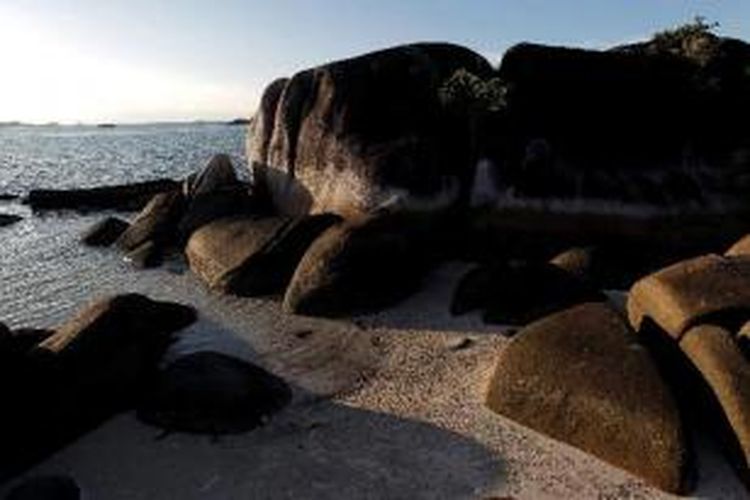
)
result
[(648, 123), (353, 135), (580, 376)]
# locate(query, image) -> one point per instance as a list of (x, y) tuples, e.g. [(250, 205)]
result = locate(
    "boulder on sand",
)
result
[(92, 366), (251, 256), (360, 265), (725, 372), (157, 222), (692, 291), (581, 377), (145, 256), (105, 232), (353, 135), (694, 314), (212, 393), (110, 345), (517, 292), (120, 197)]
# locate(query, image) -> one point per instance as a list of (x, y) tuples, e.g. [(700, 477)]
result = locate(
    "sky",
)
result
[(166, 60)]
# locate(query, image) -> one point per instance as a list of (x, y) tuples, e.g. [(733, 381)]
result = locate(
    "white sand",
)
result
[(385, 406)]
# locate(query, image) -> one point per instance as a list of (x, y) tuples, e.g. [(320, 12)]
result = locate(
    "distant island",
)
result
[(239, 121)]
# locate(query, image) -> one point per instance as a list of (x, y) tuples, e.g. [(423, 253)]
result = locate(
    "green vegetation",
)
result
[(467, 92), (699, 27), (695, 40)]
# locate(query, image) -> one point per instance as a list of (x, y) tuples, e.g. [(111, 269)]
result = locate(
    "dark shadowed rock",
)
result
[(157, 222), (218, 174), (725, 370), (8, 219), (252, 256), (18, 342), (515, 293), (122, 197), (710, 288), (110, 345), (146, 256), (213, 393), (351, 136), (46, 488), (105, 232), (91, 367), (626, 124), (581, 377), (613, 266), (360, 265), (213, 193)]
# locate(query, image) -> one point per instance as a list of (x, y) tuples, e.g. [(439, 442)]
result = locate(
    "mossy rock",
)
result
[(581, 377)]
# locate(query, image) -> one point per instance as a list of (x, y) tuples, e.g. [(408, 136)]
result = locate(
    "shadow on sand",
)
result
[(309, 450)]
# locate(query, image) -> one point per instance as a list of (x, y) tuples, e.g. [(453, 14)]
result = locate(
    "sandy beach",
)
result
[(385, 406)]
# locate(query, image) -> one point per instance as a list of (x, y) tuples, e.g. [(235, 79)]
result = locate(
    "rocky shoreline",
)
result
[(364, 182)]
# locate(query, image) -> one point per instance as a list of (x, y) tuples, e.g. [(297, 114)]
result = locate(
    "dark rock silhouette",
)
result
[(122, 197), (157, 222), (46, 488), (91, 367), (515, 293), (105, 232), (212, 393), (639, 123)]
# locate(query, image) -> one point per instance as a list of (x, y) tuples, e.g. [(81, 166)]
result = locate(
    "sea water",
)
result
[(45, 272)]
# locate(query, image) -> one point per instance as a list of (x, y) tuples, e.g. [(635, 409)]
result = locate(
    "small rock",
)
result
[(146, 256), (7, 219), (105, 232), (46, 488), (460, 344), (157, 222), (515, 293)]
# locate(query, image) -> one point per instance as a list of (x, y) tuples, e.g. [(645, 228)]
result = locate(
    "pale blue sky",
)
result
[(139, 60)]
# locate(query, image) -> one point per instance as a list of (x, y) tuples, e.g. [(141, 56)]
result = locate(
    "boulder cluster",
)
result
[(60, 383), (362, 180), (627, 389)]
